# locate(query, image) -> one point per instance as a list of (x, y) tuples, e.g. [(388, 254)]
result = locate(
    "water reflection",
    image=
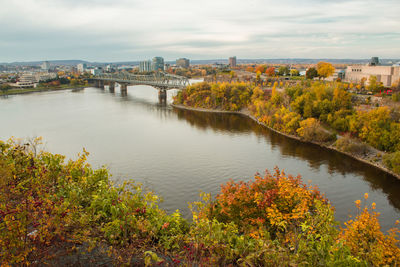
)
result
[(313, 154)]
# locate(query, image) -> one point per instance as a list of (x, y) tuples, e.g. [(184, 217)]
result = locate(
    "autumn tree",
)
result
[(325, 69), (283, 70), (270, 71), (4, 88), (261, 68), (232, 75), (294, 72), (396, 85), (258, 76), (374, 85), (362, 82), (250, 69), (311, 73)]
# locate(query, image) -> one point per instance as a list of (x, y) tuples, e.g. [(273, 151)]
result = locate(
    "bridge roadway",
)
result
[(159, 80)]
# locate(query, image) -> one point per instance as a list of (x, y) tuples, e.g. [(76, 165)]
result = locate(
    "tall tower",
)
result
[(232, 62)]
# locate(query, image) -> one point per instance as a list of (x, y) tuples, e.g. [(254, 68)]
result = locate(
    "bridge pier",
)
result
[(162, 95), (100, 84), (111, 87), (124, 88)]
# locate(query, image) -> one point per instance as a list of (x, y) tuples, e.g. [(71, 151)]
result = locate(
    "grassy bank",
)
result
[(17, 91), (61, 212)]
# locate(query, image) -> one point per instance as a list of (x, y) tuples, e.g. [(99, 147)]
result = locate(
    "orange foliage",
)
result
[(270, 71), (275, 201), (261, 68)]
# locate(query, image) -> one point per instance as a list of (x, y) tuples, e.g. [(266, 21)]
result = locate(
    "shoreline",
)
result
[(330, 147), (41, 90)]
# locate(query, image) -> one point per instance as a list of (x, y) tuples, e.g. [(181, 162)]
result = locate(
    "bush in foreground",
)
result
[(272, 220)]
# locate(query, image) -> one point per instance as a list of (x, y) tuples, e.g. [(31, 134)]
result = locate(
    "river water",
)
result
[(178, 154)]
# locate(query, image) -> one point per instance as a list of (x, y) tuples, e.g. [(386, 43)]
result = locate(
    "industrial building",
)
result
[(387, 75)]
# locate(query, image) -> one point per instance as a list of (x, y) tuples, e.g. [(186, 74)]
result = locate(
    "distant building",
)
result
[(96, 71), (81, 67), (44, 76), (145, 66), (219, 66), (26, 80), (337, 74), (183, 63), (232, 62), (157, 64), (45, 65), (387, 75), (110, 68), (374, 61)]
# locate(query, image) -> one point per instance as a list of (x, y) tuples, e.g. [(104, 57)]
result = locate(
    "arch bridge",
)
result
[(159, 80)]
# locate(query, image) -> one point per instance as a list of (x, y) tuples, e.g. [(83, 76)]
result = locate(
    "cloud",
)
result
[(105, 30)]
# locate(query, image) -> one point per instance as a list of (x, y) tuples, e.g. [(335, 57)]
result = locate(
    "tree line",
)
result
[(313, 111)]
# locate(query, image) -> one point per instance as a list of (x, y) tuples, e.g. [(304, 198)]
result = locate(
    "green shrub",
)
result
[(396, 97), (392, 161), (311, 130), (351, 145)]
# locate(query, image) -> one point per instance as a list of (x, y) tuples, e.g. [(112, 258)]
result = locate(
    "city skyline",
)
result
[(101, 30)]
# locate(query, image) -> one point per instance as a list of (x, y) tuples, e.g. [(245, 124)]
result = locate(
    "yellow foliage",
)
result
[(365, 239), (325, 69)]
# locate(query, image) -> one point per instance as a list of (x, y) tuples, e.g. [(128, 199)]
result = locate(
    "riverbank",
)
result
[(246, 113), (19, 91)]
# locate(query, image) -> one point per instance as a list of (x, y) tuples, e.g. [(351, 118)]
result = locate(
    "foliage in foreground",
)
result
[(44, 200), (272, 220)]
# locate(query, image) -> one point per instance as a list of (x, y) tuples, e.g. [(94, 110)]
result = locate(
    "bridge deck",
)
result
[(159, 80)]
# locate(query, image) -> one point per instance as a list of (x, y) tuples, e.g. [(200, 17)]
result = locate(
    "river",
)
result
[(178, 153)]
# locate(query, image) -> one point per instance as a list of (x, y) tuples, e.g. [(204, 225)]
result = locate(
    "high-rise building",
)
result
[(81, 67), (145, 66), (232, 61), (158, 64), (45, 65), (183, 63)]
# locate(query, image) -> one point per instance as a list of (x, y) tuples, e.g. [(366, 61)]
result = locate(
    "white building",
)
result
[(44, 76), (387, 75), (45, 65), (26, 80), (81, 67), (145, 66)]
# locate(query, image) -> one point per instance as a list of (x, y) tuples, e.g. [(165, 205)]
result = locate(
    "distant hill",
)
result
[(212, 61), (53, 62)]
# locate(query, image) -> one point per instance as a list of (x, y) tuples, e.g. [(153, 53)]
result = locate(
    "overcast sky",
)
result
[(124, 30)]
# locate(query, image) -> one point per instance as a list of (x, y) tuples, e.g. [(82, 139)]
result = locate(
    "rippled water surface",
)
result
[(180, 153)]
